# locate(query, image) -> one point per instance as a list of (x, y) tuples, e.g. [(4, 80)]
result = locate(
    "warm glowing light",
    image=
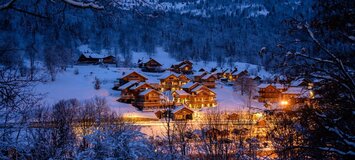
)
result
[(311, 94), (284, 103), (258, 115)]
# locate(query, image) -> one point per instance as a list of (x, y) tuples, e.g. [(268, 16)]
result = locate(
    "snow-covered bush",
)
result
[(76, 71), (97, 83)]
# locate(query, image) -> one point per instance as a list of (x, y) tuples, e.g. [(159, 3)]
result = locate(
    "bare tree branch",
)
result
[(83, 4), (7, 5)]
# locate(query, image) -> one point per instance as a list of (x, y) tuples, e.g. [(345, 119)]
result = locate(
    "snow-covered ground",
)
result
[(81, 86)]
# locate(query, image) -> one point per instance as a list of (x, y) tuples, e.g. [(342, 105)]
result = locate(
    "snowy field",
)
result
[(81, 86)]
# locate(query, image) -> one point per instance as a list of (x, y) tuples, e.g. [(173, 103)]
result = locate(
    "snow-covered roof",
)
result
[(298, 82), (263, 85), (279, 86), (253, 77), (207, 76), (134, 72), (166, 75), (127, 85), (294, 90), (188, 85), (183, 66), (137, 85), (197, 88), (179, 108), (146, 92), (198, 74), (238, 72), (182, 92), (94, 55), (151, 59)]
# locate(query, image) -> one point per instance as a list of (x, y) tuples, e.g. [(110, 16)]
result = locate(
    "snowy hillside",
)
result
[(81, 86)]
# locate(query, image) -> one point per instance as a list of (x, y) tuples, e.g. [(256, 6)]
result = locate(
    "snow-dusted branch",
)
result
[(7, 5), (313, 58), (84, 4), (337, 60), (329, 149)]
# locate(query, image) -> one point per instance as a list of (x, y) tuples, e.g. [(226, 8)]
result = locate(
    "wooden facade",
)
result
[(180, 97), (198, 76), (209, 80), (172, 81), (132, 77), (151, 66), (201, 97), (184, 67), (96, 58), (270, 93), (182, 113), (189, 86), (147, 99)]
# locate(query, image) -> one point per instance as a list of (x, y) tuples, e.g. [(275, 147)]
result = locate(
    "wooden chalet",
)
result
[(209, 80), (181, 113), (302, 82), (169, 81), (184, 67), (294, 95), (183, 79), (234, 76), (172, 81), (201, 96), (180, 97), (221, 73), (198, 76), (96, 58), (229, 74), (256, 79), (147, 99), (131, 77), (270, 93), (188, 87), (151, 66), (126, 94)]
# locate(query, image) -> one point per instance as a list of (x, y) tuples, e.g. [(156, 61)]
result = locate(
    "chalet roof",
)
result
[(189, 85), (166, 75), (179, 108), (263, 85), (298, 82), (220, 70), (184, 65), (182, 92), (238, 72), (94, 55), (199, 74), (277, 86), (138, 85), (207, 76), (127, 85), (294, 90), (198, 88), (151, 59), (147, 91), (253, 77), (134, 72), (182, 75)]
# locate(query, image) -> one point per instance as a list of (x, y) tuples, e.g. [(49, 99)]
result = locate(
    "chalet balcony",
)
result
[(148, 104)]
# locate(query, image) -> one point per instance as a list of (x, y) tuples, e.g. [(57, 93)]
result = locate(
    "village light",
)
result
[(258, 115), (284, 102)]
